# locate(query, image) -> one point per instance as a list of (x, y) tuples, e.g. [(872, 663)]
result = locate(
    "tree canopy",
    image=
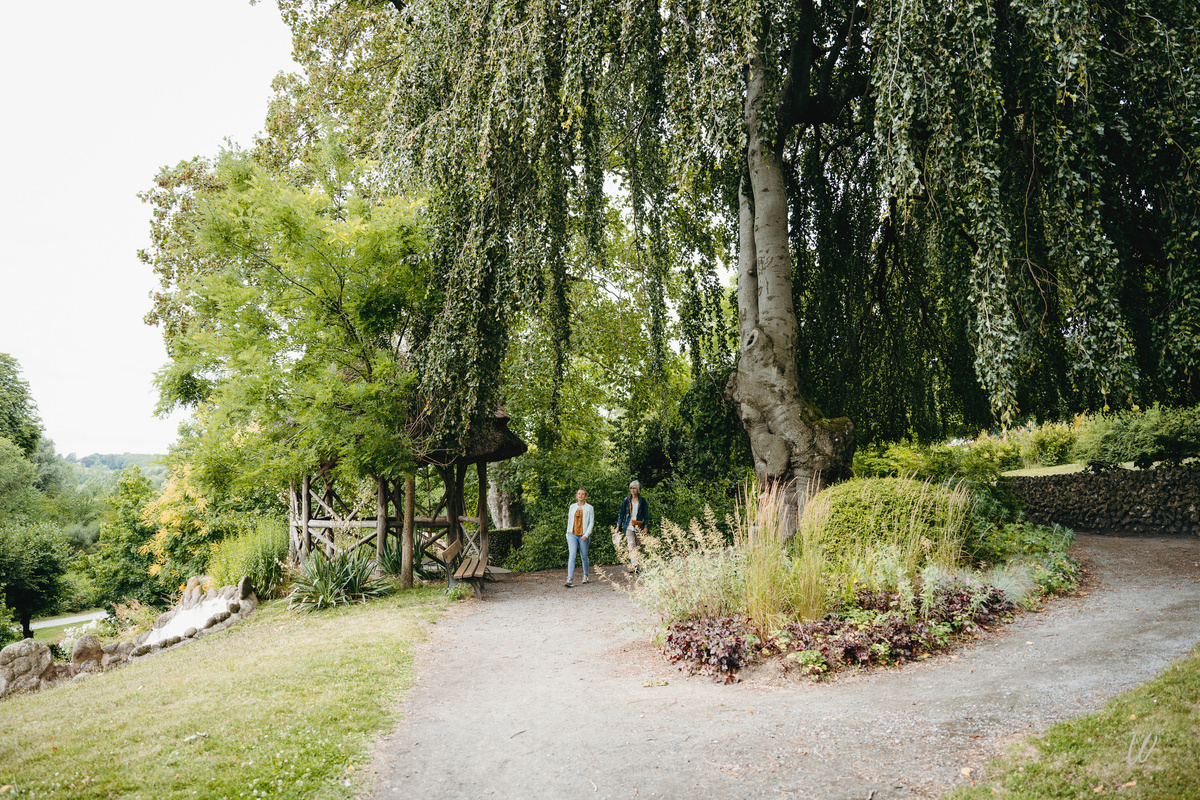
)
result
[(293, 338), (19, 422), (990, 208)]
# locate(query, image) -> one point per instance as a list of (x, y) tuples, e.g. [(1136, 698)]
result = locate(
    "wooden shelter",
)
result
[(317, 511)]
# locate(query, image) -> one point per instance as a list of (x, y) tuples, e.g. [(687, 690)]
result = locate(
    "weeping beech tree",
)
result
[(978, 207)]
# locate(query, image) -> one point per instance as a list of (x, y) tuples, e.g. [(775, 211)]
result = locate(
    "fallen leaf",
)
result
[(966, 771), (1127, 785), (1098, 789)]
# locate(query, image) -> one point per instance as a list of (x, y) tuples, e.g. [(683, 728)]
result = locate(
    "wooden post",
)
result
[(481, 510), (305, 516), (293, 525), (460, 484), (381, 519), (410, 505)]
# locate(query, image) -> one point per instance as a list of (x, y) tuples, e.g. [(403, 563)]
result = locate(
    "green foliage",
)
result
[(33, 560), (296, 325), (258, 553), (1156, 435), (923, 521), (19, 422), (10, 630), (120, 566), (19, 499), (322, 582)]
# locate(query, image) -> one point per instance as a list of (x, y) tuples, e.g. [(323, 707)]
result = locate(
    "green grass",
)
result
[(1090, 756), (283, 705), (1032, 472), (49, 636)]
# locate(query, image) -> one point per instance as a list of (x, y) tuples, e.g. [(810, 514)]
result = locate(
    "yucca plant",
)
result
[(323, 582)]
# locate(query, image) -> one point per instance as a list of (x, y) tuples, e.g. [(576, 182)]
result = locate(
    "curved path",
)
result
[(544, 692)]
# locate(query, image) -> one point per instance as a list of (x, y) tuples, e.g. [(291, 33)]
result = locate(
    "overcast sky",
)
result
[(96, 98)]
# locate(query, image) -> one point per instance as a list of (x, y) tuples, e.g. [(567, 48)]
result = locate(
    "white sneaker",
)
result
[(585, 579)]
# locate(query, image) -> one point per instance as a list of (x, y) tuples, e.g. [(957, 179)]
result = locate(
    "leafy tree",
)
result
[(33, 560), (19, 421), (20, 501), (120, 566), (293, 341), (1034, 162)]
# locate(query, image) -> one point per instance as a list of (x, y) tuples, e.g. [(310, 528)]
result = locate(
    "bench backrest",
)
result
[(452, 550)]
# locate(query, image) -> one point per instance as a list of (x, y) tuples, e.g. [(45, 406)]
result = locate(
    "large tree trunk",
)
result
[(792, 442)]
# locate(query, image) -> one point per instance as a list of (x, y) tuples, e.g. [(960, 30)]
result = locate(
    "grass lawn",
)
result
[(1060, 469), (1093, 757), (50, 635), (283, 706)]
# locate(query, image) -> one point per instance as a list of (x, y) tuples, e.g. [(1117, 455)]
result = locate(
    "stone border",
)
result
[(1160, 501)]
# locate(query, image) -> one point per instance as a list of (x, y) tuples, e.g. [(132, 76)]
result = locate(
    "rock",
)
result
[(170, 641), (80, 677), (140, 650), (116, 654), (141, 638), (235, 607), (245, 588), (165, 618), (22, 665), (189, 633), (86, 655), (227, 592)]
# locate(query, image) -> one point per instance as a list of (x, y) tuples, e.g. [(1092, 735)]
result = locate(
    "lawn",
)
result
[(1144, 745), (283, 705)]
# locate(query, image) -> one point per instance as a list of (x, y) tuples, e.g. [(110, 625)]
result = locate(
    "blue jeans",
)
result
[(576, 543)]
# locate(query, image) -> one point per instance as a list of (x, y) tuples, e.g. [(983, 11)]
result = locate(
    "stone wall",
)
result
[(27, 666), (1124, 501)]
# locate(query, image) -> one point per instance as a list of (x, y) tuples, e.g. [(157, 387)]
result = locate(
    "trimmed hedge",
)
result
[(1163, 500)]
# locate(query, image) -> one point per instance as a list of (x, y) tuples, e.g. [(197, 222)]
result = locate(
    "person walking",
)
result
[(634, 520), (580, 519)]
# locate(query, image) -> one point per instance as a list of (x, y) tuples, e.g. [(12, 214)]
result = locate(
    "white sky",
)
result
[(94, 99)]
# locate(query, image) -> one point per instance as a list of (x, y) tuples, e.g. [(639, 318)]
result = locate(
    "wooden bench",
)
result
[(444, 557), (474, 571)]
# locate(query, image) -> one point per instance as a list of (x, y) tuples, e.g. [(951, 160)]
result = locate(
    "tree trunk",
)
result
[(26, 625), (503, 506), (791, 441), (410, 504)]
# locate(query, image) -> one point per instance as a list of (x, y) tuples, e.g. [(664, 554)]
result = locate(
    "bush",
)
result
[(1157, 435), (322, 582), (10, 629), (1048, 445), (258, 554), (711, 646), (921, 520)]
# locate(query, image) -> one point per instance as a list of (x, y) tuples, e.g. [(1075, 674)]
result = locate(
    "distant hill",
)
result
[(102, 468)]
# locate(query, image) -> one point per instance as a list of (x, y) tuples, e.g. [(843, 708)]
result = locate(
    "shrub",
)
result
[(689, 574), (1142, 437), (1048, 444), (258, 553), (10, 629), (322, 582), (718, 646), (920, 520)]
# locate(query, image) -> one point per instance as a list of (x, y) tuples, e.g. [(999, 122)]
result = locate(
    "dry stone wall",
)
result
[(1124, 501), (27, 666)]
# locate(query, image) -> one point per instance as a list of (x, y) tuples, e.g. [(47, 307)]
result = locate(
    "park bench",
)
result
[(473, 571)]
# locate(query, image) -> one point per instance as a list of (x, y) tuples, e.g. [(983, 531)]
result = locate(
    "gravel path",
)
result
[(545, 692)]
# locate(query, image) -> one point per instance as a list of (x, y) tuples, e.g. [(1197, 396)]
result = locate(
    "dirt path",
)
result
[(545, 692)]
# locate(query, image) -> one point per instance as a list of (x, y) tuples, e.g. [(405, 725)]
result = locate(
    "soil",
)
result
[(540, 691)]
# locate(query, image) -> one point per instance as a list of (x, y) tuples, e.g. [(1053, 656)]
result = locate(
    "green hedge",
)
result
[(1156, 435)]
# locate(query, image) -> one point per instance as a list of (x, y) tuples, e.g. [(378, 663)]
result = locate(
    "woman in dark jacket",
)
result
[(634, 520)]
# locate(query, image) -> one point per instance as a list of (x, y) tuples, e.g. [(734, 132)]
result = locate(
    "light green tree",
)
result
[(33, 560)]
